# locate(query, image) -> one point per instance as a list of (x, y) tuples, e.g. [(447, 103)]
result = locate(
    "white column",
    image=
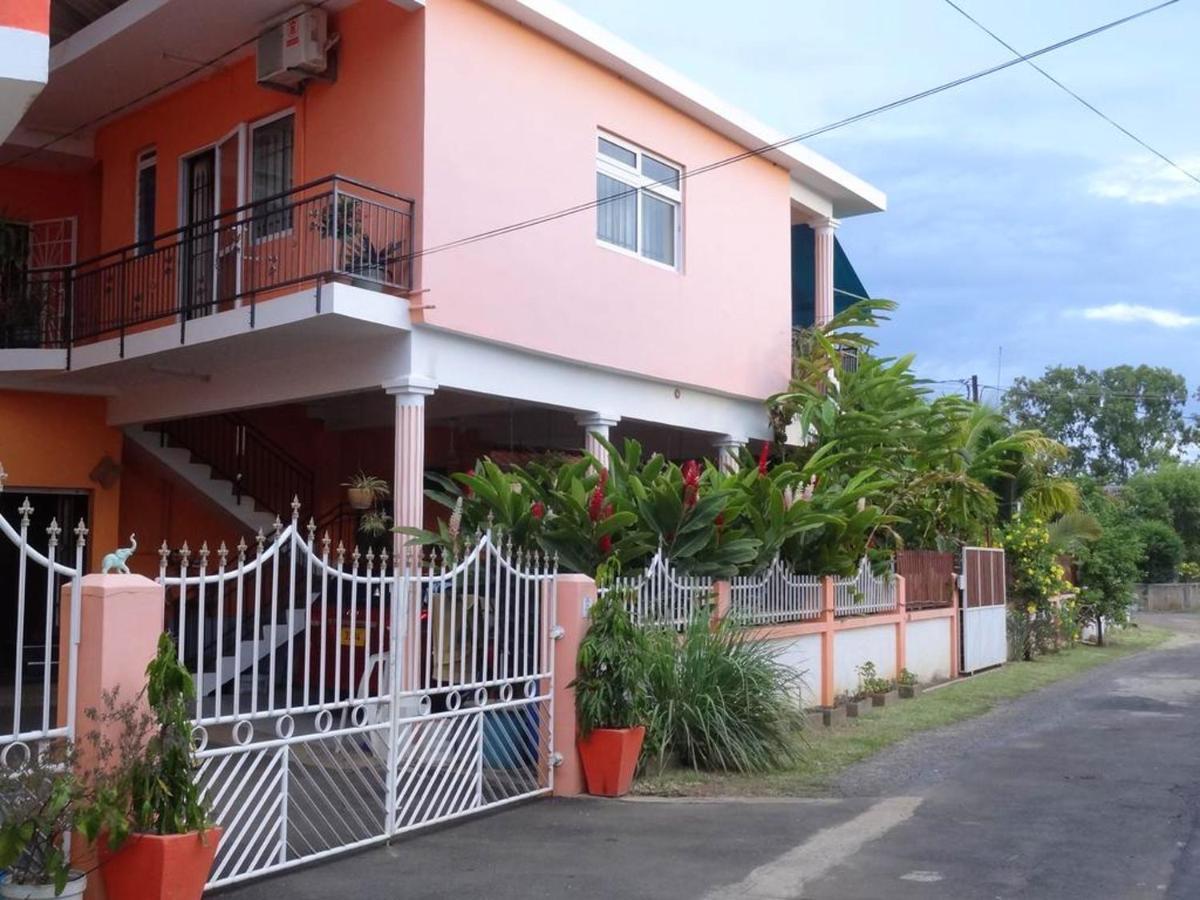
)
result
[(408, 480), (728, 450), (823, 230), (594, 424)]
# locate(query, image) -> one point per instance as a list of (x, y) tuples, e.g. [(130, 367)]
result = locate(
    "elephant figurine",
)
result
[(118, 560)]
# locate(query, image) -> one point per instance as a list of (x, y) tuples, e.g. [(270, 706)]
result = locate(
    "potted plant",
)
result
[(41, 802), (362, 490), (907, 684), (149, 816), (611, 692), (374, 524), (357, 253), (872, 686)]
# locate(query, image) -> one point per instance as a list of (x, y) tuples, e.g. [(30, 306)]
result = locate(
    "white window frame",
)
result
[(248, 191), (145, 160), (633, 177)]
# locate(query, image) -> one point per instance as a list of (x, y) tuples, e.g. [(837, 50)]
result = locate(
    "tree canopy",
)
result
[(1114, 422)]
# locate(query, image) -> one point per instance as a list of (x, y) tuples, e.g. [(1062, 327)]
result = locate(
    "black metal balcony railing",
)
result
[(334, 228)]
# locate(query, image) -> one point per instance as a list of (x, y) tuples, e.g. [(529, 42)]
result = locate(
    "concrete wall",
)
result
[(1169, 597), (802, 654), (928, 649), (854, 646)]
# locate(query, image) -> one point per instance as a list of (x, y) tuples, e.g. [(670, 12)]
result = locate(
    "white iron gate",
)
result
[(37, 687), (984, 611), (346, 697)]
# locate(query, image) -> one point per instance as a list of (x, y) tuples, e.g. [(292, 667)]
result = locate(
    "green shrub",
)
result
[(1162, 551), (720, 700), (610, 687)]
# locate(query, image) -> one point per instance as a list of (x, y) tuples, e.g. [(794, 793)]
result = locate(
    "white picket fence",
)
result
[(864, 592), (774, 596), (347, 697), (664, 596)]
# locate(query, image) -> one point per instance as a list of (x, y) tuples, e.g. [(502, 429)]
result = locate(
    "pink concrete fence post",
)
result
[(954, 601), (722, 598), (121, 618), (901, 627), (828, 619), (573, 596)]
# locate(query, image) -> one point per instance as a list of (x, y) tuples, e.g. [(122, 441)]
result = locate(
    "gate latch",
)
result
[(558, 632)]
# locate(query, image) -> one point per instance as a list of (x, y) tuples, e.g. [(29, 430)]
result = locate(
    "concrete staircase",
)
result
[(200, 476)]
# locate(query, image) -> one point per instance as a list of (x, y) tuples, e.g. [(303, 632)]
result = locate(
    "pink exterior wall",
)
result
[(511, 123)]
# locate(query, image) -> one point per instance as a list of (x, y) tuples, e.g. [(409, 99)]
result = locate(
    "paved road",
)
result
[(1088, 789)]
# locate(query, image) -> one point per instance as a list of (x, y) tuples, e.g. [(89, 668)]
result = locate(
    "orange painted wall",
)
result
[(27, 195), (32, 15), (54, 441), (367, 125)]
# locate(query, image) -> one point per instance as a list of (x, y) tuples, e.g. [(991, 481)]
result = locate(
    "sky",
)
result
[(1022, 231)]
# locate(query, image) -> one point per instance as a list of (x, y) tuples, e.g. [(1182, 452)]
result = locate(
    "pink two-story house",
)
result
[(250, 248)]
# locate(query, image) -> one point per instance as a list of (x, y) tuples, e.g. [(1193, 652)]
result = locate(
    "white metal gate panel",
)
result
[(346, 697), (32, 721), (664, 595), (984, 609)]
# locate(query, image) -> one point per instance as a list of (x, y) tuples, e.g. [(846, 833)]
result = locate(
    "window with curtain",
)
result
[(271, 174), (147, 178), (639, 201)]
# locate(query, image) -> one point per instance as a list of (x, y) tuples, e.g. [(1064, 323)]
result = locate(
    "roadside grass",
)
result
[(827, 751)]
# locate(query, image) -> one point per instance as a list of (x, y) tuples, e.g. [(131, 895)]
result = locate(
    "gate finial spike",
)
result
[(241, 549), (341, 553), (185, 554), (277, 525), (261, 539), (203, 554), (3, 477), (81, 533), (295, 507), (370, 558), (26, 510), (312, 529), (383, 558), (164, 552), (356, 555), (54, 531), (325, 542), (222, 555)]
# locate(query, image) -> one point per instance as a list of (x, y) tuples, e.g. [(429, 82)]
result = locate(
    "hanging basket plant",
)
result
[(362, 490)]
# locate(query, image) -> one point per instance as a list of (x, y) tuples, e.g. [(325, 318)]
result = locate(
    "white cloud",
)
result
[(1146, 180), (1132, 312)]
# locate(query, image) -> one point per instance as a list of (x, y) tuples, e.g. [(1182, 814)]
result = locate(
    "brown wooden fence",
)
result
[(928, 578)]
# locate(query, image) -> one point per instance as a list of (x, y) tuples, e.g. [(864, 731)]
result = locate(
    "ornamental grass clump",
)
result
[(720, 700)]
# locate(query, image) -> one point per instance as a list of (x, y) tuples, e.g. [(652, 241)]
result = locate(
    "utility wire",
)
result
[(1091, 106), (766, 148)]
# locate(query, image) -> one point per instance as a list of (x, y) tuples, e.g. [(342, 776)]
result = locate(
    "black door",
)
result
[(199, 257)]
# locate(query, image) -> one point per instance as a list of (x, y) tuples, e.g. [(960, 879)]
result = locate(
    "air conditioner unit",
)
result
[(295, 49)]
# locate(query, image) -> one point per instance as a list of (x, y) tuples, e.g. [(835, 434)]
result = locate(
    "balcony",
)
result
[(333, 229)]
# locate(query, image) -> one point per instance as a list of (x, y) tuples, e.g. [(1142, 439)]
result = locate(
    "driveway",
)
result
[(1087, 789)]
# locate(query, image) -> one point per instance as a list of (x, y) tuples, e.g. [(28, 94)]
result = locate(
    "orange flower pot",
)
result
[(159, 867), (609, 757)]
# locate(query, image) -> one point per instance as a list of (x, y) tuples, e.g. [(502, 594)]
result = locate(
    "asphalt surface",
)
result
[(1087, 789)]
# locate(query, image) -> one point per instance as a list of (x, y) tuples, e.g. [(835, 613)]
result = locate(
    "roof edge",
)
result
[(850, 195)]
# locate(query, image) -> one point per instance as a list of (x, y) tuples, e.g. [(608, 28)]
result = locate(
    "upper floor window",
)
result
[(143, 213), (271, 174), (640, 201)]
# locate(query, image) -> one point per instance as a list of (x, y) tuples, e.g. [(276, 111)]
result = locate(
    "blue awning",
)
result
[(804, 274)]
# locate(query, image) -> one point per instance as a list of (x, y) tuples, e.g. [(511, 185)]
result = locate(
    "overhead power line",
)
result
[(1087, 104), (824, 129)]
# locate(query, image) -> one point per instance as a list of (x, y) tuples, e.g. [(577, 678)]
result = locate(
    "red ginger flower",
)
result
[(596, 502), (762, 458), (691, 483), (537, 509), (605, 544)]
